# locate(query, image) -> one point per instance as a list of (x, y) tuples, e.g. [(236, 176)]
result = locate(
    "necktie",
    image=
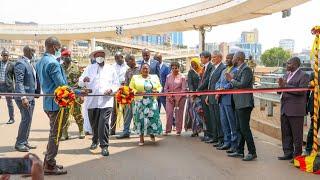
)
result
[(202, 73)]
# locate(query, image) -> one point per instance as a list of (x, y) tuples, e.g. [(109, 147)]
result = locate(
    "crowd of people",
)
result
[(224, 119)]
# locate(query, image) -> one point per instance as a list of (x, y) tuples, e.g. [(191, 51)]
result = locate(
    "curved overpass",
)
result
[(209, 12)]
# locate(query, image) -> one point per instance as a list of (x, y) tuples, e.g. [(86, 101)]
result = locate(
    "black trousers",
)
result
[(217, 133), (208, 120), (99, 120), (114, 117), (243, 126), (292, 134), (52, 147)]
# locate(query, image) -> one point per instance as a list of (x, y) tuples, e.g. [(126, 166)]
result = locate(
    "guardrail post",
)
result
[(270, 108), (262, 104)]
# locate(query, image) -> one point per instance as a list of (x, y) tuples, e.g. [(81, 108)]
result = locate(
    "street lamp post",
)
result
[(202, 34)]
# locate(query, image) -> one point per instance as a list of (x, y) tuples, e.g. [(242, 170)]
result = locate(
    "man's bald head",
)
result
[(52, 44), (239, 58), (28, 51), (146, 54), (158, 57), (293, 64)]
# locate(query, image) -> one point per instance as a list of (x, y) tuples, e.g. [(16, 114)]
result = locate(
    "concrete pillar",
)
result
[(92, 44), (68, 43), (270, 108), (202, 36)]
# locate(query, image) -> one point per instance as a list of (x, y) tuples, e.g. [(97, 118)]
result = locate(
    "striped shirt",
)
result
[(3, 67)]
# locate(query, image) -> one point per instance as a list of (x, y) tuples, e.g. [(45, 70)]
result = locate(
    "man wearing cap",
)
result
[(7, 82), (73, 73), (121, 67), (102, 79)]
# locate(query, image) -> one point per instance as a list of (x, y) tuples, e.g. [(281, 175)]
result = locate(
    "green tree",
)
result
[(275, 57)]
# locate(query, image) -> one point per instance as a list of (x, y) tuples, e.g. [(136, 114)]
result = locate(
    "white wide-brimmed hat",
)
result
[(98, 49)]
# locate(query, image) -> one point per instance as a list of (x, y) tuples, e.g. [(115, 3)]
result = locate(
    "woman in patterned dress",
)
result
[(146, 113)]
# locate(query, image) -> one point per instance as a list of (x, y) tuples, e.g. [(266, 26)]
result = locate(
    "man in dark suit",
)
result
[(26, 82), (7, 82), (205, 57), (244, 104), (218, 67), (293, 110), (164, 71), (154, 65)]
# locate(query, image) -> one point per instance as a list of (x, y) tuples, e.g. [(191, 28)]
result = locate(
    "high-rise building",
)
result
[(250, 36), (249, 43), (173, 38), (287, 44), (211, 47)]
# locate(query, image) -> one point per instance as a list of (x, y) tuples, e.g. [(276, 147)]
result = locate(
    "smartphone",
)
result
[(15, 166)]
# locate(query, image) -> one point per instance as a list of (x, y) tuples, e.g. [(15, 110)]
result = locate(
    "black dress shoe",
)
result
[(218, 144), (231, 151), (104, 151), (204, 138), (112, 133), (123, 136), (285, 157), (194, 134), (249, 157), (22, 148), (209, 141), (224, 147), (236, 154), (11, 121), (93, 146), (30, 146)]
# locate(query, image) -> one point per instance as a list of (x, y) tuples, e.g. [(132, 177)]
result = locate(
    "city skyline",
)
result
[(271, 28)]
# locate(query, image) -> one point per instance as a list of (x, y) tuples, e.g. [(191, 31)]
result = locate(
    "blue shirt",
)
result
[(51, 76)]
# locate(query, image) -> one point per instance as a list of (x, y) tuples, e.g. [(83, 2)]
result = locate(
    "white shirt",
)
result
[(160, 65), (291, 75), (34, 71), (216, 66), (101, 79), (148, 62), (121, 71)]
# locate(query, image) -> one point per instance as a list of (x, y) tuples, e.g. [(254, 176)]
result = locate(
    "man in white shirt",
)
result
[(120, 67), (101, 78)]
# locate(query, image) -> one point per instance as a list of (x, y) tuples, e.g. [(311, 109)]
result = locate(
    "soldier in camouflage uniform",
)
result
[(73, 73)]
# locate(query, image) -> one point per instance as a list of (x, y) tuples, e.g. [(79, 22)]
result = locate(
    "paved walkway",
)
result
[(171, 157)]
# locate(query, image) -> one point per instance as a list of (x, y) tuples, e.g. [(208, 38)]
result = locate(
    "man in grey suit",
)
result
[(293, 110), (205, 57), (244, 104), (7, 82), (218, 67), (26, 82), (154, 64)]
